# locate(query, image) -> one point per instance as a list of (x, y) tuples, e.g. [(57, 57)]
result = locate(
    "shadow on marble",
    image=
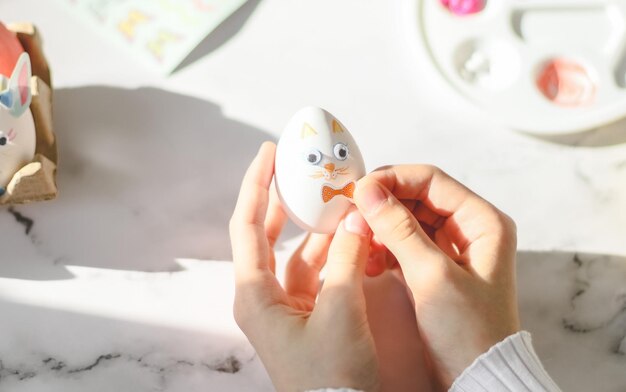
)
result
[(608, 135), (146, 177), (140, 330), (145, 334), (60, 350), (224, 32), (575, 306)]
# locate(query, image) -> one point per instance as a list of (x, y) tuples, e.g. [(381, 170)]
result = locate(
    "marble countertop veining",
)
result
[(114, 286)]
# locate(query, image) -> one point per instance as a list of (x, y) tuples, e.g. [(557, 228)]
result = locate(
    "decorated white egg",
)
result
[(17, 126), (316, 169)]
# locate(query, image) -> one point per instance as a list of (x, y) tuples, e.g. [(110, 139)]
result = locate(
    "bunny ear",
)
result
[(19, 86)]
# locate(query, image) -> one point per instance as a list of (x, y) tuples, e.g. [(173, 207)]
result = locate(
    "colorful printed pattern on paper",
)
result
[(161, 32)]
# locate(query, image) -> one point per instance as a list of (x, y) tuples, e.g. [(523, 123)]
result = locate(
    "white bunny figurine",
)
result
[(17, 127)]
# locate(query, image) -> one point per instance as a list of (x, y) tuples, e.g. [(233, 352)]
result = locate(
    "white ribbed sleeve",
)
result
[(510, 365)]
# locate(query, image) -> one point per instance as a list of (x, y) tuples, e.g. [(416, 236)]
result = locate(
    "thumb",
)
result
[(347, 256), (396, 227)]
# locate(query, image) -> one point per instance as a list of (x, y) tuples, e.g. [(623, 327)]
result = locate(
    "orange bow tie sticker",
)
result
[(328, 192)]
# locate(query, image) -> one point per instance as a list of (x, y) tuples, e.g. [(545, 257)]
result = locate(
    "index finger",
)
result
[(434, 188), (248, 238), (462, 209), (474, 223)]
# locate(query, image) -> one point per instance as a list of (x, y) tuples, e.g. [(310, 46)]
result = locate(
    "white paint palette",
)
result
[(541, 66)]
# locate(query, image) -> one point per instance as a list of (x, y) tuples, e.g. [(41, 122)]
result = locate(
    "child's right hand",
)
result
[(457, 254)]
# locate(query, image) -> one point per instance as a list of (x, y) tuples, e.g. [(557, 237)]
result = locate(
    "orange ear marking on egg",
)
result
[(307, 131), (337, 128)]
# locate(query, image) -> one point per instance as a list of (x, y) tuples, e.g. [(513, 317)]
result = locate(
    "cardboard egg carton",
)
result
[(36, 181)]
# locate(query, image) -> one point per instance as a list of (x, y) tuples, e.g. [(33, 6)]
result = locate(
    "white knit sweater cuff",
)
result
[(511, 365)]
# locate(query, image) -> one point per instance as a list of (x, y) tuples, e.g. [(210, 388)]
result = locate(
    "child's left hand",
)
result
[(304, 344)]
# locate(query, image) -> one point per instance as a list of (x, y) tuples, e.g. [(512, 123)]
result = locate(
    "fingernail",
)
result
[(354, 223), (372, 196)]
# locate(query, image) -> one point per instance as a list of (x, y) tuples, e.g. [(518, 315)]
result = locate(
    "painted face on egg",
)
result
[(317, 166)]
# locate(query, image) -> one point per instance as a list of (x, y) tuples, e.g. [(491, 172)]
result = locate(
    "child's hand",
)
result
[(456, 252), (303, 344)]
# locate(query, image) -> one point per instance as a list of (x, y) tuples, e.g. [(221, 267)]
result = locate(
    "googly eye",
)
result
[(3, 141), (341, 151), (313, 157)]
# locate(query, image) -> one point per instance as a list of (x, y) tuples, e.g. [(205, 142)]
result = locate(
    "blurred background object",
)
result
[(160, 33), (531, 64), (29, 156)]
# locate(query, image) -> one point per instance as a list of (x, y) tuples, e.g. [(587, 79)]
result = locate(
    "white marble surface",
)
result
[(109, 287)]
